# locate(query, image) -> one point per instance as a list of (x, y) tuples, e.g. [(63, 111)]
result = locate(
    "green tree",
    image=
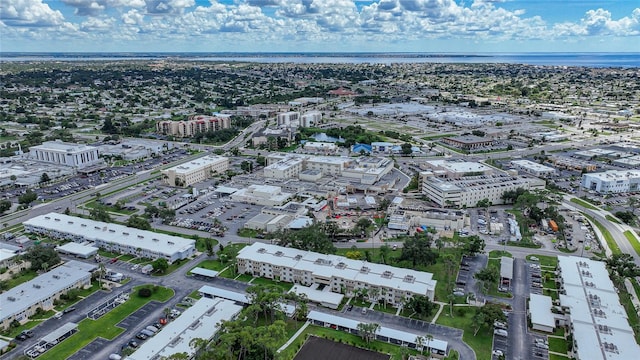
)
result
[(311, 238), (267, 299), (160, 265), (41, 257), (28, 197), (417, 249), (406, 149), (622, 266), (99, 213), (421, 306), (473, 245), (44, 178), (138, 222), (368, 331), (4, 205), (488, 275)]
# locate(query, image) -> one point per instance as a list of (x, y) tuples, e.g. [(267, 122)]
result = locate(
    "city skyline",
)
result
[(319, 26)]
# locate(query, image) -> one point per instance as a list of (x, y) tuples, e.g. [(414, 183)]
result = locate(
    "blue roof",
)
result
[(361, 147)]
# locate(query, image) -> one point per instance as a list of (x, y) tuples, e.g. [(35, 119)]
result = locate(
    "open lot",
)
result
[(316, 348)]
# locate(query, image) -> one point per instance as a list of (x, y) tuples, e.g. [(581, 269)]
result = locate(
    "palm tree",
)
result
[(420, 343), (429, 338)]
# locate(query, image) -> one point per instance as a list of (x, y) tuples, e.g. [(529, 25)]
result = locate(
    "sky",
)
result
[(432, 26)]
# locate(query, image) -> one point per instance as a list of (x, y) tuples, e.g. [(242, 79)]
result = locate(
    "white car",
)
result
[(498, 352), (542, 346), (500, 332), (499, 325)]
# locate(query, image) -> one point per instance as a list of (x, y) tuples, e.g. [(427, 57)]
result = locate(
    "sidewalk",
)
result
[(294, 337)]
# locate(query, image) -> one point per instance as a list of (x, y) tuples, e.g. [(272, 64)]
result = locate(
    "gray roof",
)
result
[(204, 272), (404, 336), (506, 267), (59, 332), (225, 294), (34, 291), (111, 233)]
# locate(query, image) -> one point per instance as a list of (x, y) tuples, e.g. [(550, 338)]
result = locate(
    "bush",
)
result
[(144, 292)]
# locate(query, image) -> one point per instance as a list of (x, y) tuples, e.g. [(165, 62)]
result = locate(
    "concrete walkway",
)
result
[(295, 336), (435, 317)]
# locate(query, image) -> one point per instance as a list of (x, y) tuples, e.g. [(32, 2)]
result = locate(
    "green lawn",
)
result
[(481, 343), (105, 327), (545, 261), (126, 257), (19, 278), (244, 278), (558, 345), (107, 254), (172, 267), (607, 235), (211, 265), (140, 260), (93, 204), (584, 204), (17, 330), (499, 253), (263, 281), (633, 240), (557, 357), (346, 338), (612, 219)]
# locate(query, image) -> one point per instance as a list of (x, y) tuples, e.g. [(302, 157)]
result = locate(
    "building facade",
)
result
[(533, 168), (383, 283), (612, 181), (195, 171), (290, 118), (21, 302), (195, 124), (112, 237), (58, 152)]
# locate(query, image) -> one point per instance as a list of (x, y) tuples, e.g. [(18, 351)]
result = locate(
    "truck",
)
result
[(553, 225)]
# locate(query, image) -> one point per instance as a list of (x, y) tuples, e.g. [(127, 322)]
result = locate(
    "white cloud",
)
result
[(29, 13)]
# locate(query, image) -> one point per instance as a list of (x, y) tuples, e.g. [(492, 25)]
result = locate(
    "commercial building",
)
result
[(200, 321), (69, 154), (266, 195), (385, 283), (533, 168), (21, 302), (195, 124), (598, 322), (612, 181), (569, 163), (465, 185), (468, 142), (112, 237), (195, 171)]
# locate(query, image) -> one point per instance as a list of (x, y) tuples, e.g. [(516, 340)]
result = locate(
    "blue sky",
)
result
[(469, 26)]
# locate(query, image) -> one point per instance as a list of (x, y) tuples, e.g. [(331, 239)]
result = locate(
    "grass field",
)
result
[(104, 327), (612, 219), (545, 261), (558, 345), (481, 343), (633, 240), (583, 204)]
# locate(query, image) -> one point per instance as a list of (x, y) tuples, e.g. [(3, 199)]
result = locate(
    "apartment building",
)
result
[(597, 321), (195, 171), (195, 124), (339, 274), (612, 181), (64, 153), (289, 118), (112, 237), (21, 302), (311, 118)]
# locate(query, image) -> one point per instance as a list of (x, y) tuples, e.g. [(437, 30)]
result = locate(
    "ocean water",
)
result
[(620, 60)]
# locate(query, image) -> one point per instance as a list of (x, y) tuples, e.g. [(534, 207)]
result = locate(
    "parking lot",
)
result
[(535, 278), (539, 347)]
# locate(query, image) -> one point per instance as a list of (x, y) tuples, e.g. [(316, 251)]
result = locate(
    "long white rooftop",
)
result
[(25, 295), (328, 266), (601, 328), (197, 164), (200, 321), (112, 233)]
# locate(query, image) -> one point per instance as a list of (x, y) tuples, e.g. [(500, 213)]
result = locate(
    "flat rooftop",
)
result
[(197, 164)]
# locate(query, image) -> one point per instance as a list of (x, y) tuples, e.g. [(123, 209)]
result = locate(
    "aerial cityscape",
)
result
[(309, 180)]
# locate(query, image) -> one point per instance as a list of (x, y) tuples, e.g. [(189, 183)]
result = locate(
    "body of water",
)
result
[(625, 60)]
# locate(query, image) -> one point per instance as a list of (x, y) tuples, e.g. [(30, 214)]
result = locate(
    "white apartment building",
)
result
[(533, 168), (195, 171), (112, 237), (195, 124), (311, 118), (69, 154), (612, 181), (290, 118), (342, 275), (598, 321), (20, 302), (468, 190)]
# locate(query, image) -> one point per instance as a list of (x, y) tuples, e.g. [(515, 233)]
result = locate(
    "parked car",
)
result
[(69, 309), (500, 332), (500, 325), (542, 346), (350, 307), (142, 336), (497, 352), (133, 343)]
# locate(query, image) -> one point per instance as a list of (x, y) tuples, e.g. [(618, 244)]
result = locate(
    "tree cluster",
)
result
[(417, 249), (41, 257), (311, 238)]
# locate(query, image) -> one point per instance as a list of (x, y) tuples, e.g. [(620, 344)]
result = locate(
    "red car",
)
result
[(113, 260)]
